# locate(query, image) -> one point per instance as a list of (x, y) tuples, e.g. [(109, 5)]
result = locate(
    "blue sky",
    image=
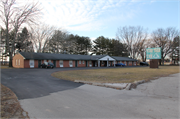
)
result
[(94, 18)]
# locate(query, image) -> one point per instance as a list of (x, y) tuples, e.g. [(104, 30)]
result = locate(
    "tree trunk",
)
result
[(163, 61), (10, 59), (159, 61)]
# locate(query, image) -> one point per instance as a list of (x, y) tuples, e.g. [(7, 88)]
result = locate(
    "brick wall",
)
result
[(57, 63), (18, 61), (26, 64), (82, 64), (129, 63), (35, 63), (66, 63)]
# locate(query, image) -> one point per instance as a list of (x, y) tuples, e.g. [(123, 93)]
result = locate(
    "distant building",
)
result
[(34, 60)]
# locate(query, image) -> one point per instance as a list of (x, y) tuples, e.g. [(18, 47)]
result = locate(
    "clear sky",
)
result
[(94, 18)]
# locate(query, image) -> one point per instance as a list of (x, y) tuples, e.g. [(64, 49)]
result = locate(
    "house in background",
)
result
[(34, 60)]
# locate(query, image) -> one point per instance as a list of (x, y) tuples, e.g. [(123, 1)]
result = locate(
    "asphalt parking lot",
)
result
[(37, 82), (44, 96)]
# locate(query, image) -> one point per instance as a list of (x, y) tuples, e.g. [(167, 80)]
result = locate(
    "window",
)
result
[(90, 63), (49, 60), (31, 63), (61, 63), (16, 61), (83, 61), (19, 62), (70, 63), (96, 64), (45, 61), (79, 61)]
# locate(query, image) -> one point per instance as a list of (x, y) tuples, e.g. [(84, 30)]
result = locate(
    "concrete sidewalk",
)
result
[(156, 99)]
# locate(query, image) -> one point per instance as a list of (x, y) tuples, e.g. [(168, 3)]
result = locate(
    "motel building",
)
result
[(34, 60)]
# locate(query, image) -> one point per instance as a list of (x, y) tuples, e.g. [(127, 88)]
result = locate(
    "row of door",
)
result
[(76, 63), (54, 62)]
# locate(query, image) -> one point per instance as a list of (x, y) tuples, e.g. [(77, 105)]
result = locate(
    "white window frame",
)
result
[(90, 63), (19, 62), (31, 63), (70, 63), (45, 60), (83, 62), (61, 63), (16, 61), (79, 61)]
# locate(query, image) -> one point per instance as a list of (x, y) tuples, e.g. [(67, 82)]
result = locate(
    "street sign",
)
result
[(153, 53)]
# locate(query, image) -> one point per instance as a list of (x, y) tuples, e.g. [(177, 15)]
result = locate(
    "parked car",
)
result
[(120, 64), (144, 64), (47, 65)]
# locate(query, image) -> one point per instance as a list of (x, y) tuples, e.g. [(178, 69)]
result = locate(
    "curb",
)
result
[(119, 86)]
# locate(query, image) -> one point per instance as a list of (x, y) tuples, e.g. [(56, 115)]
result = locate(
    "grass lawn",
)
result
[(117, 75), (6, 67)]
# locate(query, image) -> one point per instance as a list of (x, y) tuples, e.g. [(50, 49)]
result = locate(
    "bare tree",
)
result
[(61, 42), (13, 18), (6, 13), (141, 47), (41, 34), (133, 37), (164, 38)]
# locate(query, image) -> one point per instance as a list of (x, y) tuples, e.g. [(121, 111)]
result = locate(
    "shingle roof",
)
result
[(123, 58), (50, 56)]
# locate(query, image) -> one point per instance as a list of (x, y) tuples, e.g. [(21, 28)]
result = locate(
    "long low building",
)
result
[(34, 60)]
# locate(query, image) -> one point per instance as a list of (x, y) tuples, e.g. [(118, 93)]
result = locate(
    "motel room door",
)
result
[(54, 62), (76, 63), (39, 63), (86, 63)]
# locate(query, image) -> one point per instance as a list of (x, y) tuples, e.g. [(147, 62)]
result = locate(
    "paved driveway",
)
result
[(43, 96)]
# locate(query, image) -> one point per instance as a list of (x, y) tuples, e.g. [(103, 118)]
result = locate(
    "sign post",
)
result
[(153, 54)]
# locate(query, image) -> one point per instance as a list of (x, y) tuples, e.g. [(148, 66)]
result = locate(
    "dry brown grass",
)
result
[(10, 107), (6, 67), (117, 75)]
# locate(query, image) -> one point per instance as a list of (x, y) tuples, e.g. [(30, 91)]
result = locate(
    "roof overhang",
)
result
[(107, 58)]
